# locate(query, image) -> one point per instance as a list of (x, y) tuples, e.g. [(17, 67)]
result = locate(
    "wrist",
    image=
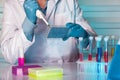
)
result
[(33, 21), (28, 28)]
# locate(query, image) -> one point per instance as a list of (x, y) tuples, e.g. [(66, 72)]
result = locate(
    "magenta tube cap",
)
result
[(21, 61)]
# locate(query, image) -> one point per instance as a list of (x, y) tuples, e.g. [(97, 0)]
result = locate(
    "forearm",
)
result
[(28, 29)]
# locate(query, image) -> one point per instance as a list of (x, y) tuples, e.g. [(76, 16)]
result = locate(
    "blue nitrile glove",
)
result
[(75, 30), (30, 7), (114, 70)]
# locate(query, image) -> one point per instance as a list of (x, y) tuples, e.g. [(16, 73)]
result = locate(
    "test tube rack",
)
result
[(92, 69)]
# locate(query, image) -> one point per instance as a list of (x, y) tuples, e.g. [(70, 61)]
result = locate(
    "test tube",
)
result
[(90, 50), (106, 48), (80, 49), (99, 48), (20, 52), (112, 45), (20, 57)]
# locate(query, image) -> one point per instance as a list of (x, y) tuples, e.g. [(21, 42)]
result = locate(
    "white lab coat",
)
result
[(55, 49)]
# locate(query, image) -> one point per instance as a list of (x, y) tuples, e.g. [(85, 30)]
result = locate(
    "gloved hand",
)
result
[(75, 30), (30, 7)]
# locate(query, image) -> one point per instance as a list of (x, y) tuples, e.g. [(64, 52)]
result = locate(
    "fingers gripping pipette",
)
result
[(39, 14)]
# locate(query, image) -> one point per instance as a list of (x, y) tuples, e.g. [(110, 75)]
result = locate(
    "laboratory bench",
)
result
[(70, 72)]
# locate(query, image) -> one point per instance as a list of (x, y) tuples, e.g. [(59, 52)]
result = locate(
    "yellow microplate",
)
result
[(45, 73)]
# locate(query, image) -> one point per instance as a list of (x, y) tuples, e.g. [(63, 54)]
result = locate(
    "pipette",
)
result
[(90, 50), (39, 14), (106, 48), (99, 48), (112, 45), (80, 49)]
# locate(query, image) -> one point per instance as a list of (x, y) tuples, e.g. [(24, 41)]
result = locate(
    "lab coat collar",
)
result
[(50, 7)]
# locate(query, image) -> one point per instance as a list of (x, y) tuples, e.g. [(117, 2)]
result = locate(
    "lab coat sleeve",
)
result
[(85, 25), (81, 21), (76, 13), (11, 35)]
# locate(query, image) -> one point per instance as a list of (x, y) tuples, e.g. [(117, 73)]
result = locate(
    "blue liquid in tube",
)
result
[(99, 52)]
